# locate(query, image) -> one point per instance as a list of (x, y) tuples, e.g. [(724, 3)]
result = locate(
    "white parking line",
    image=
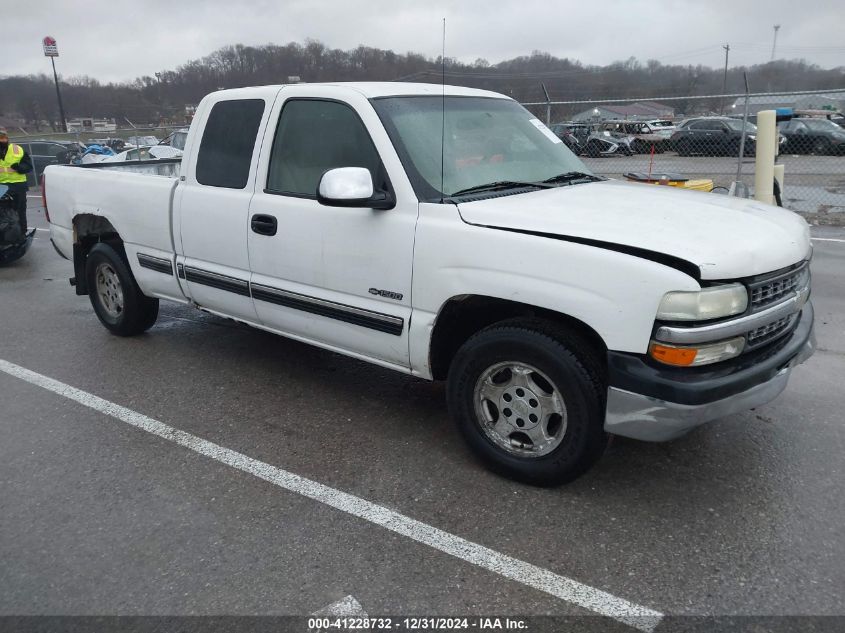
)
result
[(595, 600), (826, 239)]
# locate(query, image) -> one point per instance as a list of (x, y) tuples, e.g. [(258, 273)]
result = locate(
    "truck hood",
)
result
[(721, 236)]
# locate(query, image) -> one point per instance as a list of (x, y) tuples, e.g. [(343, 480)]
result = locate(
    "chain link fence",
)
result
[(699, 139), (693, 138)]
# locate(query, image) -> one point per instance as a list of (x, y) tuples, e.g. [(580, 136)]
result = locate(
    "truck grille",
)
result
[(770, 331), (772, 290)]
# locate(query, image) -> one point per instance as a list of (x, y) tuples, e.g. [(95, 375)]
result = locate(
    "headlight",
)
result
[(701, 305), (752, 137)]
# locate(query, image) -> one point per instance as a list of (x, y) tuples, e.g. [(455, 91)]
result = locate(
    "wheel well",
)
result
[(463, 316), (88, 230)]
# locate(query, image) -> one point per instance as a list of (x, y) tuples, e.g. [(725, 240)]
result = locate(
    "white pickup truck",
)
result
[(448, 234)]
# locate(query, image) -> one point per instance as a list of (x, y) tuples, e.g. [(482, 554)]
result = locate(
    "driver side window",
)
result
[(314, 136)]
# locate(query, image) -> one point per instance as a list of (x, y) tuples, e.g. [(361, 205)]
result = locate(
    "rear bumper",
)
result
[(653, 404)]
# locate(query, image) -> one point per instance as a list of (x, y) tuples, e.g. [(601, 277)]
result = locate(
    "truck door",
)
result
[(213, 204), (339, 277)]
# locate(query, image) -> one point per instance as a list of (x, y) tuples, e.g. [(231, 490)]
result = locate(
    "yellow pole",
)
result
[(764, 169)]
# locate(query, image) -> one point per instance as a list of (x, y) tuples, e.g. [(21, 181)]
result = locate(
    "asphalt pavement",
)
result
[(99, 516)]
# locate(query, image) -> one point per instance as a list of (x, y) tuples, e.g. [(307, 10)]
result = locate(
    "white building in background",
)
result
[(832, 101), (90, 124)]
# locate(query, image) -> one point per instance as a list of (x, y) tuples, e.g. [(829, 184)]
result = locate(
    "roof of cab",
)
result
[(374, 89)]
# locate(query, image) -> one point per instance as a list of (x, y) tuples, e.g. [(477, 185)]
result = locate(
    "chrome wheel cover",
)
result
[(109, 291), (519, 409)]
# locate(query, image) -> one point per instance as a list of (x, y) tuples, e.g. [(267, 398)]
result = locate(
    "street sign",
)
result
[(50, 48)]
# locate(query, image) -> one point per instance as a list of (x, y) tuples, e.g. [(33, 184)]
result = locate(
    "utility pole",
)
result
[(727, 48), (775, 41)]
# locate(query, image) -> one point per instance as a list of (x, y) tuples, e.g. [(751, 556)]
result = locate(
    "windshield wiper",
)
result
[(501, 184), (570, 176)]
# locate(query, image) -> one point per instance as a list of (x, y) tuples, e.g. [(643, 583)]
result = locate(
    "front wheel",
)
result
[(117, 300), (821, 147), (528, 398)]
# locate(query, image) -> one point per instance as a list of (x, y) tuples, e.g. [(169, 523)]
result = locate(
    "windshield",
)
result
[(486, 141), (179, 139), (821, 125), (660, 123), (736, 124)]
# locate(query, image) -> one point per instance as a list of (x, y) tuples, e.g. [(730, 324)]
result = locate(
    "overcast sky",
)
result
[(118, 40)]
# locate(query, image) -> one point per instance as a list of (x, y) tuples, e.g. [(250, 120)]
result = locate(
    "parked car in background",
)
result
[(812, 136), (603, 142), (662, 127), (46, 152), (713, 136), (140, 141), (176, 139), (638, 134), (566, 133), (154, 152)]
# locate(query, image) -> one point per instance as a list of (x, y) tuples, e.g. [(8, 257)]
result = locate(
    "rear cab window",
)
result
[(228, 142)]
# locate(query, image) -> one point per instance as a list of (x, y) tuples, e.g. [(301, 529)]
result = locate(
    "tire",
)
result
[(554, 382), (639, 146), (821, 147), (118, 302), (593, 150), (683, 147)]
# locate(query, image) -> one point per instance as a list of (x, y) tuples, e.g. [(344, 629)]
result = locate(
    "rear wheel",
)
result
[(683, 147), (115, 296), (528, 398)]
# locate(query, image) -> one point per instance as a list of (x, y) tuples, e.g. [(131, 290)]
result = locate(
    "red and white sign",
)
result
[(50, 48)]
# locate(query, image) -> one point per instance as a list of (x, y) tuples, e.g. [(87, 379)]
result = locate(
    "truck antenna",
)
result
[(443, 114)]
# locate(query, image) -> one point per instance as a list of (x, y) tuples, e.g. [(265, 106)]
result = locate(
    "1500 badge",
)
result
[(387, 294)]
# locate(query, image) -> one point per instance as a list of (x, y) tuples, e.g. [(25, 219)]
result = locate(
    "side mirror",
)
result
[(352, 187)]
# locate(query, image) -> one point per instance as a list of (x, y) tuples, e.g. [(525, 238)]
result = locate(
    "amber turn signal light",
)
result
[(679, 356)]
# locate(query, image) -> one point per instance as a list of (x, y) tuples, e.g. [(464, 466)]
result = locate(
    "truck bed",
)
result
[(170, 167), (136, 197)]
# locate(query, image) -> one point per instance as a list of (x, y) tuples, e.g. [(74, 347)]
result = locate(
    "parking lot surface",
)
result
[(743, 516)]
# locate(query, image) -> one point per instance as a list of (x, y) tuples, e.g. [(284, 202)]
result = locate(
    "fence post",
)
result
[(548, 105)]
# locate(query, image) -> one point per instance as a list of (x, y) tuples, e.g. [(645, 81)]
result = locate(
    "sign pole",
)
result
[(51, 50), (59, 96)]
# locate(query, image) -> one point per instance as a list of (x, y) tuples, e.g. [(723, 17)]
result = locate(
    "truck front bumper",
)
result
[(656, 404)]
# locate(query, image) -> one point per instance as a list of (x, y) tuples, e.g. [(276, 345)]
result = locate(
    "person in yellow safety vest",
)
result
[(15, 164)]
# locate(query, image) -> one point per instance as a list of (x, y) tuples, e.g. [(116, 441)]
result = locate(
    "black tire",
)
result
[(821, 147), (570, 366), (593, 150), (683, 147), (640, 146), (136, 313)]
